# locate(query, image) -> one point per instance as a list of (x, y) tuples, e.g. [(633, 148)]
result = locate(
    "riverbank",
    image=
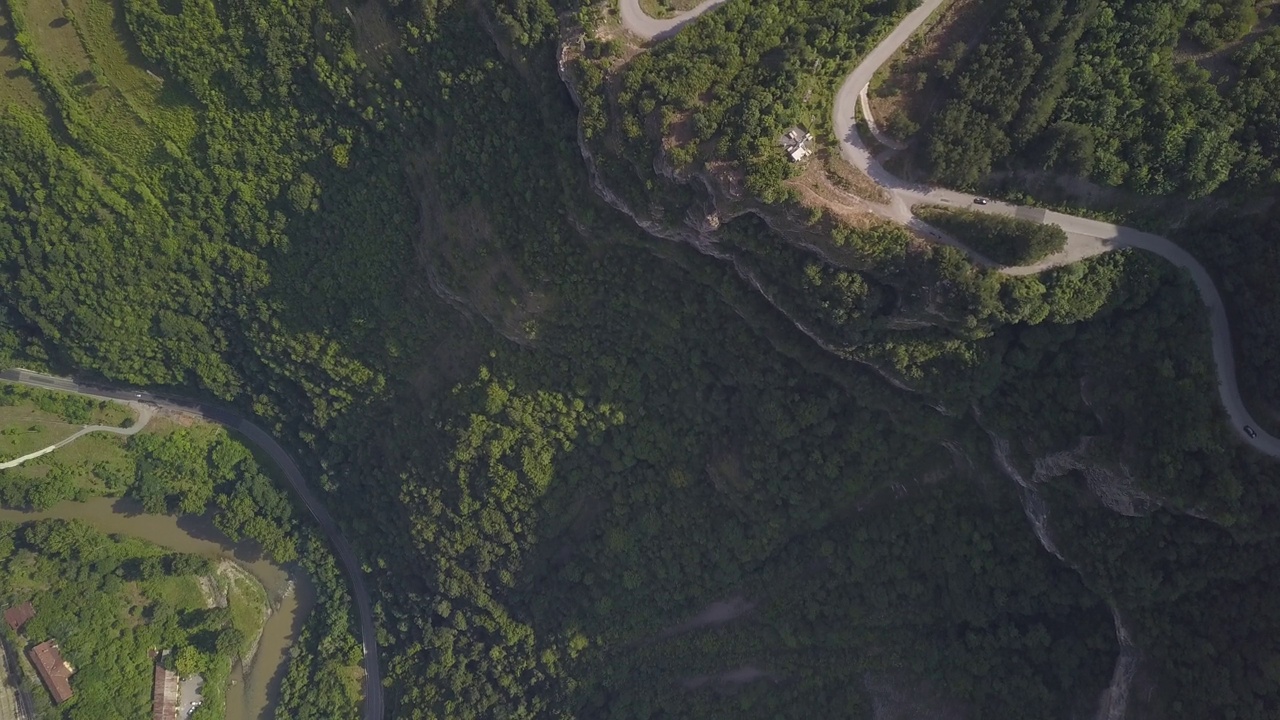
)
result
[(255, 684), (207, 464), (235, 588)]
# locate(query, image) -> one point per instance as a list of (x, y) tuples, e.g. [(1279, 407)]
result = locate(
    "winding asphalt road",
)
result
[(1085, 237), (651, 28), (373, 701)]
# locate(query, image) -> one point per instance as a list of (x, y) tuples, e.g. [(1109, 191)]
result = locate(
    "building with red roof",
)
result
[(18, 616), (164, 695), (54, 671)]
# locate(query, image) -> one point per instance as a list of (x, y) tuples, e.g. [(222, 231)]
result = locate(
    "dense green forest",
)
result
[(728, 87), (556, 439), (1240, 251), (1172, 99), (1152, 96), (1006, 240)]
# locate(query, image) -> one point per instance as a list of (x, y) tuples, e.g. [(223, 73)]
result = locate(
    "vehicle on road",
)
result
[(1250, 431), (980, 201)]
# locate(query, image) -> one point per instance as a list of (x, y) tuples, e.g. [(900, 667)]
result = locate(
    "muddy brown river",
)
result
[(254, 690)]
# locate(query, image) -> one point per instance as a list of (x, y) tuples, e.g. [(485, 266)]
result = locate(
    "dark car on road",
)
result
[(980, 201), (1250, 432)]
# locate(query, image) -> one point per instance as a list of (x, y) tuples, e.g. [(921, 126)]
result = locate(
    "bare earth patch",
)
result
[(213, 595), (728, 678), (175, 417), (846, 178), (728, 177), (611, 31), (901, 698), (828, 183), (466, 267), (373, 30)]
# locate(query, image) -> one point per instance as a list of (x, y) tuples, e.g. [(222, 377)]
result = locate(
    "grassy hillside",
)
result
[(32, 420)]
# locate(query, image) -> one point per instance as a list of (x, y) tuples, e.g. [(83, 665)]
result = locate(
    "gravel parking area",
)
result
[(189, 696)]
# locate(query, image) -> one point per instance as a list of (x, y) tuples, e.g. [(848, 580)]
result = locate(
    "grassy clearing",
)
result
[(96, 464), (72, 409), (180, 591), (33, 420), (17, 85), (53, 38), (655, 8), (162, 105), (25, 430), (82, 61)]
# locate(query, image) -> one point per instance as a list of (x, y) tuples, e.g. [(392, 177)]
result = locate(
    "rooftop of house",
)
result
[(164, 695), (799, 152), (795, 135), (18, 615), (797, 142), (54, 671)]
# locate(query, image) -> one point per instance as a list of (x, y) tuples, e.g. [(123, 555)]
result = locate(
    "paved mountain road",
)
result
[(1085, 237), (651, 28), (373, 700)]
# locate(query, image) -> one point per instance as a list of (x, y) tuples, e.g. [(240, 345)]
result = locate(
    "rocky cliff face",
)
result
[(717, 204), (1116, 489)]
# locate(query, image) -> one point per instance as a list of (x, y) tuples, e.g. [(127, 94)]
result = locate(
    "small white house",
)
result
[(798, 144), (799, 152)]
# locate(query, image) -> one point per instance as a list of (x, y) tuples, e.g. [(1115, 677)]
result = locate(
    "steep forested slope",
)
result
[(1153, 96), (1171, 100), (557, 438)]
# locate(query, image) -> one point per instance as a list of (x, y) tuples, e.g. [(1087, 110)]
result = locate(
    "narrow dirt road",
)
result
[(144, 417)]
